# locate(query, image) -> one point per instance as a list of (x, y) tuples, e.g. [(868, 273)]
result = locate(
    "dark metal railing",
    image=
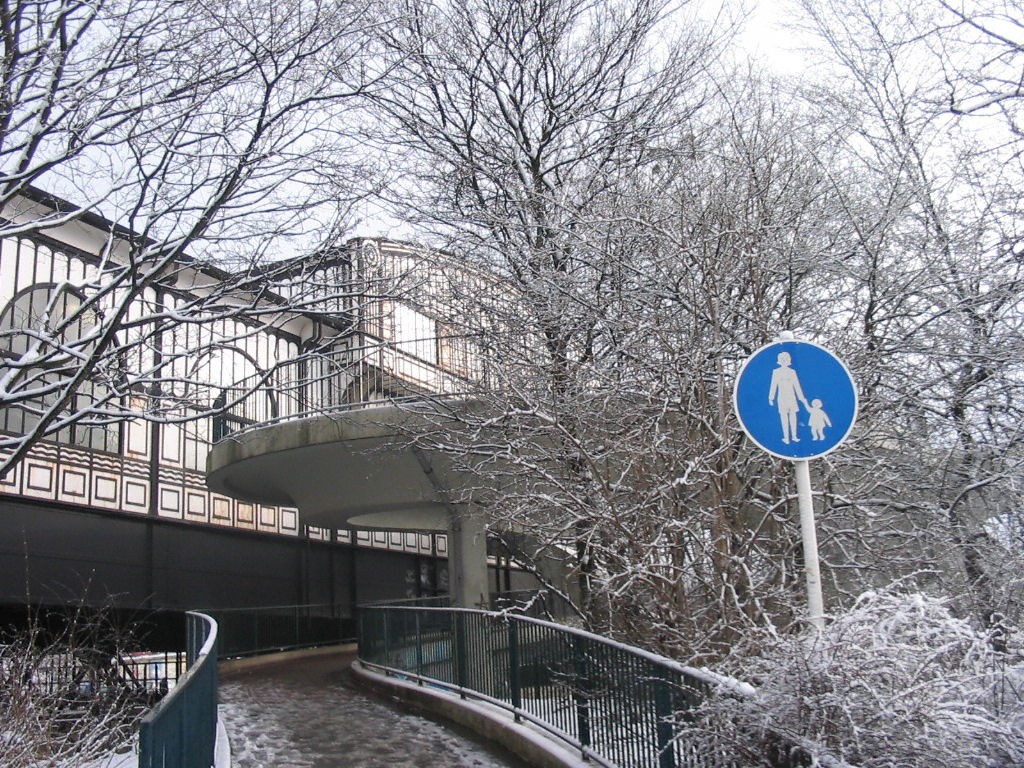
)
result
[(181, 731), (268, 629), (142, 675), (619, 706), (377, 373), (428, 601)]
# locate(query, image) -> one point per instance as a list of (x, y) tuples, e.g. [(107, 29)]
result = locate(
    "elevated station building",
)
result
[(297, 371)]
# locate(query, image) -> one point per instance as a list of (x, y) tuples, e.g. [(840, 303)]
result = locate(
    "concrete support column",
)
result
[(467, 558)]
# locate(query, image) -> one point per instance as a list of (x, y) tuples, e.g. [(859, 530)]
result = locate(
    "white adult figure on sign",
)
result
[(786, 386)]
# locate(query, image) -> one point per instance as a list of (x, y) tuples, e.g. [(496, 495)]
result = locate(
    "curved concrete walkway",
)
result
[(305, 713)]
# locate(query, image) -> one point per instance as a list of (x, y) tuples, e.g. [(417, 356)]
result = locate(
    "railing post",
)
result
[(146, 745), (579, 691), (387, 640), (663, 711), (460, 653), (513, 666), (256, 628), (191, 646), (419, 650)]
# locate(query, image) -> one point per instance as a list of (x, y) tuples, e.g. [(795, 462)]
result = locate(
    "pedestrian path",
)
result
[(306, 714)]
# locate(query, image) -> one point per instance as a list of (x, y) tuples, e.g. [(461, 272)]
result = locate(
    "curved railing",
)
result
[(259, 630), (620, 706), (181, 731), (381, 373)]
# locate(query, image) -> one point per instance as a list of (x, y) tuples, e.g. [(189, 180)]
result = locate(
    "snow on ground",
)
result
[(129, 759), (307, 715)]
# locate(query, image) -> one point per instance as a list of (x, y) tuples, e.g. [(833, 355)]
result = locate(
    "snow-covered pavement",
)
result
[(306, 714)]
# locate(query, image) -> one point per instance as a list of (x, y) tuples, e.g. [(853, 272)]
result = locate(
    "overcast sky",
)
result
[(765, 37)]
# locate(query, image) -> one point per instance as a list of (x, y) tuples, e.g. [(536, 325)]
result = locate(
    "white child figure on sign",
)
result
[(818, 420)]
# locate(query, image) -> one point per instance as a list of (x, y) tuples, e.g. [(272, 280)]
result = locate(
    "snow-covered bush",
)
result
[(897, 681), (63, 701)]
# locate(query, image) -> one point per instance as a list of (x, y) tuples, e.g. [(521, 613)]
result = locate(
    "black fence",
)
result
[(143, 676), (619, 706)]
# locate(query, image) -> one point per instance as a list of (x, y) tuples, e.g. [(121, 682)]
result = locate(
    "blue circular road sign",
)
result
[(795, 399)]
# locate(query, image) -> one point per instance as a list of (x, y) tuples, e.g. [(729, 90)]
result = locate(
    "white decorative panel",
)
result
[(170, 502), (136, 496), (104, 490), (39, 478), (196, 504), (222, 509), (12, 480), (74, 483), (289, 520), (246, 515)]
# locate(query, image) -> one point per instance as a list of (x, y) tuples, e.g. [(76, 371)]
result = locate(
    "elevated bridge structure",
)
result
[(358, 466)]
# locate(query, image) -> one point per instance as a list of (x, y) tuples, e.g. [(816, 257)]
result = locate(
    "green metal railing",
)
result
[(618, 705), (181, 731), (268, 629)]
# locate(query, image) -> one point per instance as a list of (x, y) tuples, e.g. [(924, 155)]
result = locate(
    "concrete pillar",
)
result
[(467, 559)]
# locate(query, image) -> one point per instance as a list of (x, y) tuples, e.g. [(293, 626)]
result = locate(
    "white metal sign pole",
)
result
[(815, 602)]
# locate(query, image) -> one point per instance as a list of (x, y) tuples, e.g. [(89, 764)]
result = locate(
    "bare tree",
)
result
[(929, 276), (719, 243), (637, 264), (519, 120), (982, 51), (635, 280)]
